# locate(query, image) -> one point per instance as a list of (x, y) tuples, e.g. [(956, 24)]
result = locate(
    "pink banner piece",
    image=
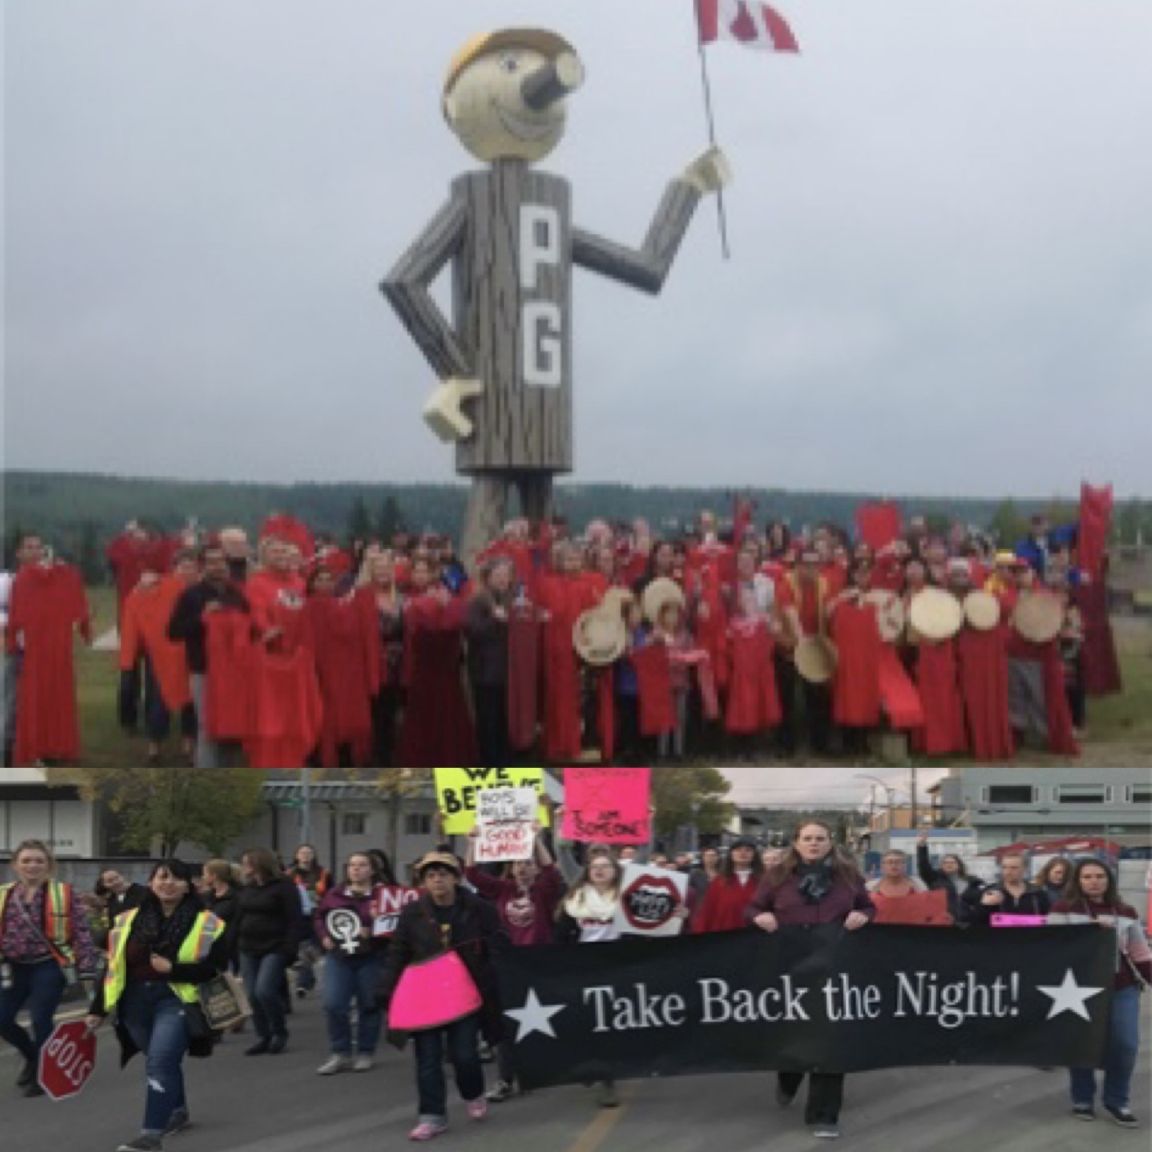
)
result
[(607, 805), (1008, 920)]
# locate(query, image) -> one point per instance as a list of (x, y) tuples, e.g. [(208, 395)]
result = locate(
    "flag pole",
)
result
[(721, 215)]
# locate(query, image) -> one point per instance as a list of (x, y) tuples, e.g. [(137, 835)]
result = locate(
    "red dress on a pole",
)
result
[(983, 661), (937, 677), (47, 605), (856, 684), (564, 598), (753, 701), (437, 730), (343, 642)]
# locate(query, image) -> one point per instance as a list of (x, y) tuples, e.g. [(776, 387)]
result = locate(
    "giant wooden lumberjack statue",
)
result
[(505, 365)]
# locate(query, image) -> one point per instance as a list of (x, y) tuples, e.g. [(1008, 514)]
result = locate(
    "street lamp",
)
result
[(889, 791)]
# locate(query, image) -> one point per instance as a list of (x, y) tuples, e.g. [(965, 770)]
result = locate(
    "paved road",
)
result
[(279, 1104)]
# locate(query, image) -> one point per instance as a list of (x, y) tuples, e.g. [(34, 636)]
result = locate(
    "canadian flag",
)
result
[(747, 22)]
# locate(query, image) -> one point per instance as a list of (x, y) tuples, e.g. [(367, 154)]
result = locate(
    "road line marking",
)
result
[(599, 1129)]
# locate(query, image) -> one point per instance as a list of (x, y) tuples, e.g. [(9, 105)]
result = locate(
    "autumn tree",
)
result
[(159, 809), (690, 795)]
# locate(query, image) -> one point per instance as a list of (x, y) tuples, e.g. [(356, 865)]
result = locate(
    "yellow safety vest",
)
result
[(57, 926), (206, 930)]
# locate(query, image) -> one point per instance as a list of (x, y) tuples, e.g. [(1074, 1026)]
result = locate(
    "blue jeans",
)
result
[(40, 986), (153, 1016), (463, 1040), (1119, 1055), (263, 978), (348, 978)]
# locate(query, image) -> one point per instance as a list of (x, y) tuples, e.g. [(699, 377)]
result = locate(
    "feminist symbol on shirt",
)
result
[(344, 926)]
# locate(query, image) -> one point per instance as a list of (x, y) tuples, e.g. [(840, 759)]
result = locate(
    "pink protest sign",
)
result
[(1008, 920), (607, 805), (433, 993)]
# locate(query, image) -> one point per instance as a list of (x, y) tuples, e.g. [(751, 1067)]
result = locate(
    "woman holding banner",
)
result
[(588, 916), (1092, 895), (526, 897), (446, 920), (813, 884)]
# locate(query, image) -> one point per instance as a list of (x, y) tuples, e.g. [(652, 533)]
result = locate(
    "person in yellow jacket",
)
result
[(157, 955)]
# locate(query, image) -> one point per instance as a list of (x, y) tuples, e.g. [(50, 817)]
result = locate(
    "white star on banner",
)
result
[(1068, 996), (534, 1016)]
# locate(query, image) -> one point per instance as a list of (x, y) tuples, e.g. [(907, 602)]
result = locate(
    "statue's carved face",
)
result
[(486, 110)]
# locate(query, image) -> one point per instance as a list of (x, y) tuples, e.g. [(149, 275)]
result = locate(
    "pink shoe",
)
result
[(478, 1108), (428, 1130)]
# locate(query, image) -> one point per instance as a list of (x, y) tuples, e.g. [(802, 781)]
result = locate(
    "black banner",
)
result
[(803, 999)]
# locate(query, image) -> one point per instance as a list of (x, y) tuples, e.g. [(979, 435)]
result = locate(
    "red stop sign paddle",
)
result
[(67, 1060)]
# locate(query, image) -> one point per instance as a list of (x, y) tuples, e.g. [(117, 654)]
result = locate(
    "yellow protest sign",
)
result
[(456, 790)]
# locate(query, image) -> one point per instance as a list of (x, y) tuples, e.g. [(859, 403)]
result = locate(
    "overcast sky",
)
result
[(941, 278), (831, 787)]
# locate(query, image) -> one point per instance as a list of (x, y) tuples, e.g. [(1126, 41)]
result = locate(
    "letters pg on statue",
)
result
[(504, 361)]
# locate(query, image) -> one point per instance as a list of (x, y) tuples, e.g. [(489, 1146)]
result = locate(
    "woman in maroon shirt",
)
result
[(813, 884), (526, 896)]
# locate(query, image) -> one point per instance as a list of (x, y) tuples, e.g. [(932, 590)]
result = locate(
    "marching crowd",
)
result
[(153, 948), (615, 645)]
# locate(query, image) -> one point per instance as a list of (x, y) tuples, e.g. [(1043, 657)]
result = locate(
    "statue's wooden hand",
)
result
[(443, 412), (709, 172)]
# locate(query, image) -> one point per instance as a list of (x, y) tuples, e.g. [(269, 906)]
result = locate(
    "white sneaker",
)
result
[(335, 1063), (363, 1063)]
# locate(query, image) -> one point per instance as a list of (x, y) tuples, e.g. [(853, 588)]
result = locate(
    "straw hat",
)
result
[(982, 610), (1038, 617), (816, 659), (439, 860), (935, 614), (599, 636), (658, 593), (889, 613)]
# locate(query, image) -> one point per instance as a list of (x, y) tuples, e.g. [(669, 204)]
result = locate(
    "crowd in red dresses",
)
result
[(737, 644)]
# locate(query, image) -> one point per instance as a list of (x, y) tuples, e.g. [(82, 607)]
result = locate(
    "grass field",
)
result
[(1119, 727)]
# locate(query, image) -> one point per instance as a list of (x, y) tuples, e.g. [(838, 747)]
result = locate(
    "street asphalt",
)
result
[(279, 1104)]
